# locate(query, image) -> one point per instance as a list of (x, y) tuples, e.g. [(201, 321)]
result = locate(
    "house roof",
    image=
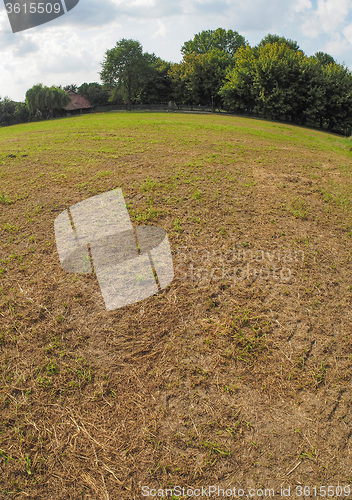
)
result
[(77, 102)]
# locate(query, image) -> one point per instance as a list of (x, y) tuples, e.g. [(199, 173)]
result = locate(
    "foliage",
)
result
[(338, 98), (280, 40), (206, 61), (126, 69), (277, 81), (157, 86), (95, 93), (220, 39), (21, 112), (309, 103), (7, 111), (198, 78), (180, 92), (12, 112), (324, 59), (41, 100), (238, 90), (274, 79), (277, 70), (72, 87)]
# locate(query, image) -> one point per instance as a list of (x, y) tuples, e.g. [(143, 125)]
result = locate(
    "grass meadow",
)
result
[(238, 374)]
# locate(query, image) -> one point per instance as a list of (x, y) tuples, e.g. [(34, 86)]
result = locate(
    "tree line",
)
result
[(219, 69)]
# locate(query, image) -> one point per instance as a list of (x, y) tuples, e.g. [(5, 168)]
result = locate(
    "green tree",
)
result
[(270, 39), (208, 40), (264, 80), (179, 89), (238, 92), (206, 61), (157, 86), (335, 105), (22, 114), (277, 71), (125, 69), (7, 111), (72, 87), (276, 80), (309, 93), (44, 99), (202, 76), (95, 93), (338, 98), (324, 59)]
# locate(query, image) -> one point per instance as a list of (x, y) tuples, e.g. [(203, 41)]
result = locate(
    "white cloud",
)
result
[(71, 48), (302, 5), (347, 31), (337, 47), (25, 46), (329, 17), (161, 31)]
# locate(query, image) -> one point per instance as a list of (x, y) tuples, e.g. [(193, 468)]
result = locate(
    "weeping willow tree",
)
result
[(42, 99)]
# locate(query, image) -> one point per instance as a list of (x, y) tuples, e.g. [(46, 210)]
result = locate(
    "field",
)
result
[(238, 374)]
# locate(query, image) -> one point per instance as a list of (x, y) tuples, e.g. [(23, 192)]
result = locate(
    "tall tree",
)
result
[(277, 70), (338, 98), (208, 40), (72, 87), (95, 93), (238, 92), (202, 76), (279, 40), (125, 69), (324, 59), (180, 91), (22, 112), (206, 60), (7, 111), (309, 93), (279, 82), (43, 99), (264, 80), (157, 86)]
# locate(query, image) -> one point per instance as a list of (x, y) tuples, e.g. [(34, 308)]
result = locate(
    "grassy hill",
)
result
[(239, 373)]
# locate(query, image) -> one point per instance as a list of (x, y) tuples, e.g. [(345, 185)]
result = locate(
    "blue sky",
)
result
[(71, 48)]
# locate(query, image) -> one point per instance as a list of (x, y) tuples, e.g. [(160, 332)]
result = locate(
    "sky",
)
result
[(71, 48)]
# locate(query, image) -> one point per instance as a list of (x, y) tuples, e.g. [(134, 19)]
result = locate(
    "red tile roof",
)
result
[(77, 102)]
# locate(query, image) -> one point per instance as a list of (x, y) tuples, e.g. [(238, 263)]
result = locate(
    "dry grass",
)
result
[(237, 374)]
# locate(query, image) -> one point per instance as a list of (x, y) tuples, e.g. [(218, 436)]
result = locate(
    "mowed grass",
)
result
[(238, 374)]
